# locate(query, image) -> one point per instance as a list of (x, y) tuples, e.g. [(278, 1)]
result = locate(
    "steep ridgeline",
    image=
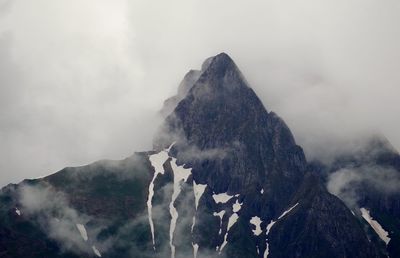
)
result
[(367, 179), (225, 179)]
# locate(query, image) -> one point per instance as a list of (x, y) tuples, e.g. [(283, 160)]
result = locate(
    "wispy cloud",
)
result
[(349, 184)]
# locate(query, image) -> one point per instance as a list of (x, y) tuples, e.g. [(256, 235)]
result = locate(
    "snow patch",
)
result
[(262, 191), (17, 211), (383, 234), (221, 216), (269, 226), (272, 223), (237, 206), (193, 224), (287, 211), (266, 253), (198, 192), (82, 231), (195, 250), (256, 221), (157, 161), (223, 197), (96, 251), (232, 220), (180, 174)]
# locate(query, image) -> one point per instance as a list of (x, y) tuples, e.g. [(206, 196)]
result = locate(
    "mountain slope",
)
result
[(367, 179), (225, 178)]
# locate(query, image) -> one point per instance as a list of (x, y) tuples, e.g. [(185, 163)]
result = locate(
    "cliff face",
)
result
[(225, 178), (367, 179)]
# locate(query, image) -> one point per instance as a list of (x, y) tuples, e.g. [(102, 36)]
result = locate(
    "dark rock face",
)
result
[(259, 198), (323, 215), (373, 182), (221, 115)]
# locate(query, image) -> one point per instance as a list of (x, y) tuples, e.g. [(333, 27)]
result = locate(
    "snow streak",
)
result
[(181, 174), (269, 226), (96, 251), (383, 234), (232, 220), (157, 161), (82, 231)]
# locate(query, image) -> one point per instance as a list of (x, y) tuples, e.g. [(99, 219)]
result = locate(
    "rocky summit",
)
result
[(225, 178)]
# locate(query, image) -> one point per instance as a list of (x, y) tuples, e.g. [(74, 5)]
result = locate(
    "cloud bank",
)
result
[(83, 80)]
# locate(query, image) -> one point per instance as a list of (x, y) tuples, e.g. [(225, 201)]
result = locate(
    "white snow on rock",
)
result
[(223, 197), (181, 174), (232, 220), (82, 230), (96, 251), (198, 192), (221, 216), (193, 223), (157, 161), (287, 211), (17, 211), (266, 253), (256, 221), (269, 226), (195, 250), (237, 206), (383, 234), (262, 191)]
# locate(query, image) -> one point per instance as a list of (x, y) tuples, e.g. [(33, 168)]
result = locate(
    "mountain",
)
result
[(367, 179), (225, 178)]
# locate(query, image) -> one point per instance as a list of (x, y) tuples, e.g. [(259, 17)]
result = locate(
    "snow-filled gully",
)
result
[(180, 175), (383, 234), (198, 190), (224, 198), (271, 224), (82, 230), (157, 161)]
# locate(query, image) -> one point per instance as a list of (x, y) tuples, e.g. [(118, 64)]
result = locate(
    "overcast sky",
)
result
[(82, 80)]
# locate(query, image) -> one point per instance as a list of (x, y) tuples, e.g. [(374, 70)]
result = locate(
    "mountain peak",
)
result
[(222, 115), (222, 59), (218, 67), (221, 70)]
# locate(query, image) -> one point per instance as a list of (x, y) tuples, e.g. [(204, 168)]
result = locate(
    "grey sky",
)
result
[(81, 80)]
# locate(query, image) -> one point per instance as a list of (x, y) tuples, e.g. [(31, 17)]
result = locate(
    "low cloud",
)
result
[(59, 220), (83, 80), (346, 183)]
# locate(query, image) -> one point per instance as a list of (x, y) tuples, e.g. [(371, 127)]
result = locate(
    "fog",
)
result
[(83, 80)]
